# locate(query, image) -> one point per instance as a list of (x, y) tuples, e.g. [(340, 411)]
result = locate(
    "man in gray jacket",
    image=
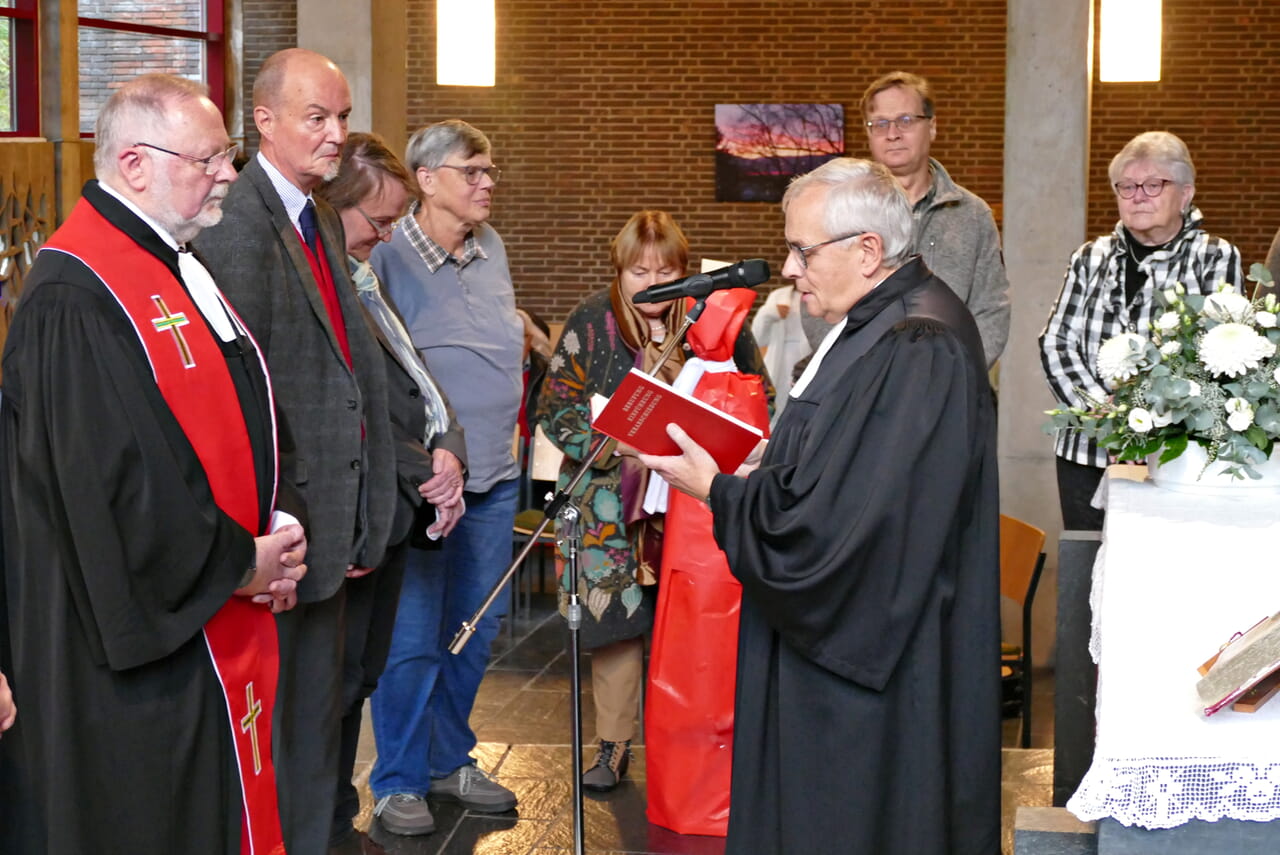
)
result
[(281, 258), (954, 230)]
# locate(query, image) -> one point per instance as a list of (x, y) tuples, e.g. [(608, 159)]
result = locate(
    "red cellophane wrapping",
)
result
[(692, 663)]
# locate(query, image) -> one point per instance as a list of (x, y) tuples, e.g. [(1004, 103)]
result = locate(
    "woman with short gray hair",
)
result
[(1110, 287), (1158, 147)]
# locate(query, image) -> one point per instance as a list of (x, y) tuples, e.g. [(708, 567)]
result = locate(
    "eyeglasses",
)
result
[(904, 123), (801, 252), (1152, 187), (384, 229), (471, 174), (211, 164)]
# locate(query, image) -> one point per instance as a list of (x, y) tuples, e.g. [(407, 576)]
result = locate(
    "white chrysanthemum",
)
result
[(1233, 349), (1140, 420), (1170, 348), (1239, 414), (571, 344), (1168, 322), (1161, 419), (1195, 389), (1228, 307), (1118, 358), (1266, 320)]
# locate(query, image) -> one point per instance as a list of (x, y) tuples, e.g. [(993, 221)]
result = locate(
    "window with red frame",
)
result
[(19, 69), (120, 39)]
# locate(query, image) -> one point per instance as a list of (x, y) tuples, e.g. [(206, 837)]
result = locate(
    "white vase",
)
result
[(1187, 473)]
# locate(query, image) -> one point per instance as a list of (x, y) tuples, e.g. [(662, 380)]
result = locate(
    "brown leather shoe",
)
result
[(612, 759)]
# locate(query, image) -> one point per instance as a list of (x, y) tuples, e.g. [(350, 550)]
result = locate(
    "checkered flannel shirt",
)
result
[(1091, 309), (433, 253)]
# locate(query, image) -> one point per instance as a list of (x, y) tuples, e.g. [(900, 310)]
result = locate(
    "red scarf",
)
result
[(328, 292)]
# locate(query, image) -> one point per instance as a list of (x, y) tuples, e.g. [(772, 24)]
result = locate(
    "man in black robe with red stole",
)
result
[(867, 543), (139, 484)]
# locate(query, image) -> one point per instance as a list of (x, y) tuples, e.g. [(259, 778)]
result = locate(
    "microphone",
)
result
[(744, 274)]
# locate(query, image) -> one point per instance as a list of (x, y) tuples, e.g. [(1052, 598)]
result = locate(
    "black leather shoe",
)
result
[(355, 843)]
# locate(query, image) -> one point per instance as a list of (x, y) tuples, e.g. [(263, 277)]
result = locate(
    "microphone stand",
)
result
[(561, 507)]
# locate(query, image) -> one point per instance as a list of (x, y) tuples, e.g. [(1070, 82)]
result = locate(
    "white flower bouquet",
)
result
[(1209, 373)]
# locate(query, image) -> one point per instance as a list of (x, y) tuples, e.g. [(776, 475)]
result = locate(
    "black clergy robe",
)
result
[(115, 557), (867, 716)]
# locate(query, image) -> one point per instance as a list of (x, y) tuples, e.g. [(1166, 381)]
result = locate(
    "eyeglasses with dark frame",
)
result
[(211, 164), (904, 123), (1152, 187), (383, 230), (471, 174), (801, 252)]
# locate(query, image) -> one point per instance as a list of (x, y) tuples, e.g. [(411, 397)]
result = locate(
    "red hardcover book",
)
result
[(642, 407)]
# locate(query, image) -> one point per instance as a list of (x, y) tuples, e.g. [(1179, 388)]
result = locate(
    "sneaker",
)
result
[(612, 759), (474, 790), (403, 813)]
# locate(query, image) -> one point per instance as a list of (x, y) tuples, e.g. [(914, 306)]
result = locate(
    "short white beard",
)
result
[(182, 229)]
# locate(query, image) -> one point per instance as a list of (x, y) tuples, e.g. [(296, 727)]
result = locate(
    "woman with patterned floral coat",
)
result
[(621, 547)]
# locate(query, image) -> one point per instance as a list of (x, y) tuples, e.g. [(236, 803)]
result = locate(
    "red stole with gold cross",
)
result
[(191, 373)]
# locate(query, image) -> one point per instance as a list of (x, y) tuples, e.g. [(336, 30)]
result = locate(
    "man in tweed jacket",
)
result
[(329, 378)]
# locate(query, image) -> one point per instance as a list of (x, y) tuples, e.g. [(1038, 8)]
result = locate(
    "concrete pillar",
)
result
[(368, 40), (1046, 147), (341, 30)]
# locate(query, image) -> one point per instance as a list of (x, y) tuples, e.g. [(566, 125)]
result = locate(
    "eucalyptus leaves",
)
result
[(1208, 372)]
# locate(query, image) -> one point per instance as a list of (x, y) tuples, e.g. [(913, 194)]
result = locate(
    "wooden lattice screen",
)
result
[(26, 217)]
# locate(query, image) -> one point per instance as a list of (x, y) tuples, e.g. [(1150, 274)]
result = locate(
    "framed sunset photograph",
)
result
[(761, 147)]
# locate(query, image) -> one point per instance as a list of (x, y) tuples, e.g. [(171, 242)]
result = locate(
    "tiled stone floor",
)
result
[(522, 717)]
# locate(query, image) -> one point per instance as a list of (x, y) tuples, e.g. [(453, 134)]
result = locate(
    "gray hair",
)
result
[(862, 195), (138, 109), (429, 147), (1159, 147)]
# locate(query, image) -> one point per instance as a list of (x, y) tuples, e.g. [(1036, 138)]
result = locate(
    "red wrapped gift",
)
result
[(689, 703)]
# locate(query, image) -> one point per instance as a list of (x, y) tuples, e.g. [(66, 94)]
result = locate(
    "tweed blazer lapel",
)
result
[(292, 242)]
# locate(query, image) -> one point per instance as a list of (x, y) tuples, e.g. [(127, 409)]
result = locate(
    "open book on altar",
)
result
[(1245, 673), (643, 406)]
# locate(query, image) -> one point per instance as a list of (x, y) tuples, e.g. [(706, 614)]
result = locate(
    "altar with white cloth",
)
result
[(1177, 575)]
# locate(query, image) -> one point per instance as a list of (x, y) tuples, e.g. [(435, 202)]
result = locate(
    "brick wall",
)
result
[(108, 58), (1219, 78), (605, 107), (269, 26)]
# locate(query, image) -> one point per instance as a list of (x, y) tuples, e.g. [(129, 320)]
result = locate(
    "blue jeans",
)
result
[(424, 699)]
